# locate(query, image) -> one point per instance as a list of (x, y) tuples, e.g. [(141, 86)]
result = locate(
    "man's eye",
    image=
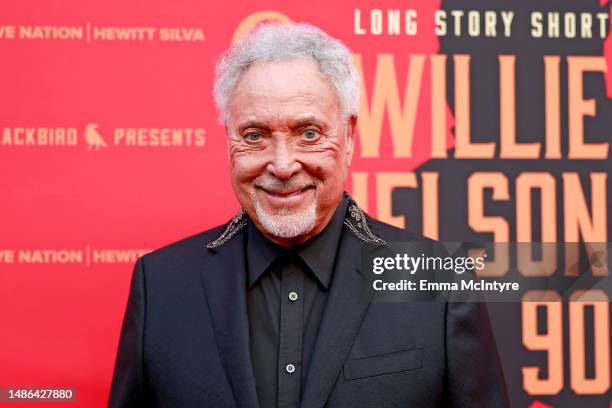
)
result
[(311, 134), (253, 136)]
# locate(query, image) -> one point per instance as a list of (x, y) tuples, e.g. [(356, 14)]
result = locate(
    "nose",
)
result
[(283, 164)]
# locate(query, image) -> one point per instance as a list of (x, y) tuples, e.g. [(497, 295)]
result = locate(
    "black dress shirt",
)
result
[(287, 292)]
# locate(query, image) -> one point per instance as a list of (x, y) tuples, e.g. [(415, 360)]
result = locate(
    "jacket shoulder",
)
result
[(391, 233), (184, 250)]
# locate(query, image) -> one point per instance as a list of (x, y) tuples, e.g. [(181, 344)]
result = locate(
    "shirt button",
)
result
[(290, 368), (293, 296)]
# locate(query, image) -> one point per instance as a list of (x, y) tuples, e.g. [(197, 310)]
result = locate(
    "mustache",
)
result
[(275, 185)]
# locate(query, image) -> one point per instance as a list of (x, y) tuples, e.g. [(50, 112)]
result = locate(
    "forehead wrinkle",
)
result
[(267, 99), (292, 113), (278, 106)]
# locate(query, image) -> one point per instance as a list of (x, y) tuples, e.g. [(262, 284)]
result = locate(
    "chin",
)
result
[(287, 223)]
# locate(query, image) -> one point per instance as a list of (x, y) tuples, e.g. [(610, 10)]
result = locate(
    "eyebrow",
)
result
[(308, 120), (253, 124), (294, 124)]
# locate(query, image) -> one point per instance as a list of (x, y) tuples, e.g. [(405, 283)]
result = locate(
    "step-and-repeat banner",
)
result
[(479, 120)]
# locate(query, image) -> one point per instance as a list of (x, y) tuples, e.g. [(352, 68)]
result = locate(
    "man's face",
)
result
[(290, 147)]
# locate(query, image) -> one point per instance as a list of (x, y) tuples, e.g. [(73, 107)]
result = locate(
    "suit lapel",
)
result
[(224, 280), (346, 307)]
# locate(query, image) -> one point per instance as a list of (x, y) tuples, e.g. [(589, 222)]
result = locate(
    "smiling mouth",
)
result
[(285, 194), (284, 198)]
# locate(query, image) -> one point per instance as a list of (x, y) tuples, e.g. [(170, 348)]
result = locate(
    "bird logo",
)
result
[(93, 138)]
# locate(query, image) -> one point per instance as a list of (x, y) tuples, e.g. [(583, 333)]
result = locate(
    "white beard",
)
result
[(286, 224)]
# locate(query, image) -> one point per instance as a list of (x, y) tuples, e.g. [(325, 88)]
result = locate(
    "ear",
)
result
[(351, 126)]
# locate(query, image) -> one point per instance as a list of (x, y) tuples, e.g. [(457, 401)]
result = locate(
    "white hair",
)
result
[(284, 41)]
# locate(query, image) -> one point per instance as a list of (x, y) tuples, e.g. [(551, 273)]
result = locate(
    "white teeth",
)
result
[(284, 194)]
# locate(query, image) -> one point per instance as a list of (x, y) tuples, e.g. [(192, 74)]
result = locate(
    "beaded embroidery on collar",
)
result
[(356, 221)]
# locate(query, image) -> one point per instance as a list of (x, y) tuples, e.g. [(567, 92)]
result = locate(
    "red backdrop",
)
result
[(145, 162)]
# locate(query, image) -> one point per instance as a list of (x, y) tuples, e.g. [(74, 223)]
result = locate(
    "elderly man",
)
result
[(268, 310)]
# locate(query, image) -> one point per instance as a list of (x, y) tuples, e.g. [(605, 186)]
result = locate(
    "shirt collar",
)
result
[(318, 253)]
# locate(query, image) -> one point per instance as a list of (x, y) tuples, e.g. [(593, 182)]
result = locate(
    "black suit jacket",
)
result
[(185, 336)]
